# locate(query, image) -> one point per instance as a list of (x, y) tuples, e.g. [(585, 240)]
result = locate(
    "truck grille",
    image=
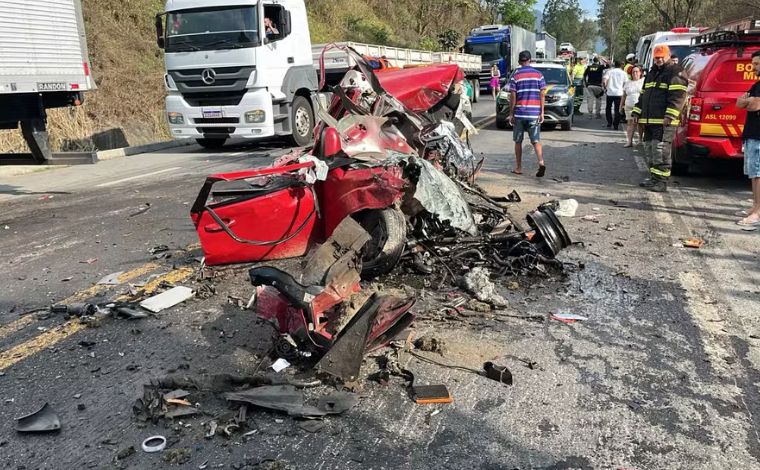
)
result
[(226, 79), (214, 98), (226, 120), (215, 130)]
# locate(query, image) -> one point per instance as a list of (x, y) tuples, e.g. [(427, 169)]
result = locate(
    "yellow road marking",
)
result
[(90, 292), (47, 339), (97, 288), (483, 122), (14, 326)]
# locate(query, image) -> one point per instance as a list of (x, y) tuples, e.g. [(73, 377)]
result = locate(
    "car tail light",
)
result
[(695, 109)]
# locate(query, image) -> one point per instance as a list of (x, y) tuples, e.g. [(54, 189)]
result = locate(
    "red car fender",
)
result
[(348, 191)]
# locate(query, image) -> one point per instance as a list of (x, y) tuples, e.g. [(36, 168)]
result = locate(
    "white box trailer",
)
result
[(43, 64)]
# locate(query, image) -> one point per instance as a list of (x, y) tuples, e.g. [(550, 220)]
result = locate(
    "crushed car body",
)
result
[(387, 177)]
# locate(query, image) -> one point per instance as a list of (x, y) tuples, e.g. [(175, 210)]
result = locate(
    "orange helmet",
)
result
[(661, 50)]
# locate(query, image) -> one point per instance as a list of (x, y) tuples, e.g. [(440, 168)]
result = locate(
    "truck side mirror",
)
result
[(160, 40)]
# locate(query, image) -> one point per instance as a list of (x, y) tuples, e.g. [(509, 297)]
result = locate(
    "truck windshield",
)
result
[(487, 52), (212, 28)]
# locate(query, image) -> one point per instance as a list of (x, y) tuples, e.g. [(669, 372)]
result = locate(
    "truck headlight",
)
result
[(176, 118), (255, 116)]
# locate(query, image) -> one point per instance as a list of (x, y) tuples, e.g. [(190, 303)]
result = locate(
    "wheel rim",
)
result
[(302, 121)]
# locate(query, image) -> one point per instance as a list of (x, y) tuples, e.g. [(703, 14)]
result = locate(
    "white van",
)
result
[(678, 39)]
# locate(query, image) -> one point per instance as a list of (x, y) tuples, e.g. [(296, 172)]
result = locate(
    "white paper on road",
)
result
[(567, 208), (167, 299), (280, 364)]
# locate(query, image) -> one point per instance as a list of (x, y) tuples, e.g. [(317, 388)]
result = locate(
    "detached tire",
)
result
[(387, 229), (301, 122), (211, 143)]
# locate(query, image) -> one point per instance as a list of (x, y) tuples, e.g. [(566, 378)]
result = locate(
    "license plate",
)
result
[(217, 113), (52, 86)]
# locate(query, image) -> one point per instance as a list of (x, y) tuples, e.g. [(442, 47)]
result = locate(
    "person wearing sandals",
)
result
[(527, 90), (495, 78), (751, 135), (631, 92)]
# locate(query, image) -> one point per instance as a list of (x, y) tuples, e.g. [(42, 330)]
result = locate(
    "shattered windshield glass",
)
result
[(212, 29), (487, 52)]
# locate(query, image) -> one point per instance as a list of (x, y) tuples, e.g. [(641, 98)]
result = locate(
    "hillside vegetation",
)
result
[(128, 67)]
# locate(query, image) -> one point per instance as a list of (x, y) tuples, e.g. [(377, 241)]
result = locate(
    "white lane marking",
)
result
[(124, 180)]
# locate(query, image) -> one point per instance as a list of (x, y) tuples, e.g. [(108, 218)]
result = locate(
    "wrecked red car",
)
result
[(388, 176)]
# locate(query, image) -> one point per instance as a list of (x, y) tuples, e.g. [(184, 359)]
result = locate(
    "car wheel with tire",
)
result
[(387, 229), (301, 122), (211, 143), (567, 125)]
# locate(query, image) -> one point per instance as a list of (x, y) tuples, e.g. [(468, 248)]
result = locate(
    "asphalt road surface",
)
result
[(663, 374)]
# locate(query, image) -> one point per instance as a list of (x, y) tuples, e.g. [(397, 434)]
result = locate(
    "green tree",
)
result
[(519, 13), (563, 19), (449, 40)]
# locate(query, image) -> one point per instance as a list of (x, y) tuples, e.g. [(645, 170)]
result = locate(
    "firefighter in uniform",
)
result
[(658, 110)]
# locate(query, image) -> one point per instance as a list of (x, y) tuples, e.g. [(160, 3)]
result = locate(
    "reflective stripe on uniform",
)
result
[(636, 110), (649, 85), (664, 174), (677, 87), (673, 122), (673, 112), (664, 86)]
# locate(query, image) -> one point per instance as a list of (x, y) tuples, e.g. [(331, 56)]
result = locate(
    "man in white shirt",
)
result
[(613, 84)]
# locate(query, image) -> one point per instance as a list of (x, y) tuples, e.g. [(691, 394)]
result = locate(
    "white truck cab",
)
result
[(230, 74)]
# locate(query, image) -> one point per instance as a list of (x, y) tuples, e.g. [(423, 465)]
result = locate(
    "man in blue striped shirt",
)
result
[(527, 90)]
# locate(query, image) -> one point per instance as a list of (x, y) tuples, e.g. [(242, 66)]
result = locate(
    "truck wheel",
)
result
[(302, 122), (211, 143), (475, 90), (387, 228)]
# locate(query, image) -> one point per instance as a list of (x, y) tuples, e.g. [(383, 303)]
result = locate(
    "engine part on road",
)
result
[(43, 420)]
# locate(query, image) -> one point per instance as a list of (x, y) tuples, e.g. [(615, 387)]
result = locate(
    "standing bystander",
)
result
[(751, 135), (631, 92), (495, 79), (527, 90), (613, 85)]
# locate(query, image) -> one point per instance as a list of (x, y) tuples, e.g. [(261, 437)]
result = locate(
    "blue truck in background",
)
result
[(499, 44)]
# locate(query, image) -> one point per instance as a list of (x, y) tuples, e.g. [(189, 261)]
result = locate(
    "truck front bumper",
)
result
[(222, 121)]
